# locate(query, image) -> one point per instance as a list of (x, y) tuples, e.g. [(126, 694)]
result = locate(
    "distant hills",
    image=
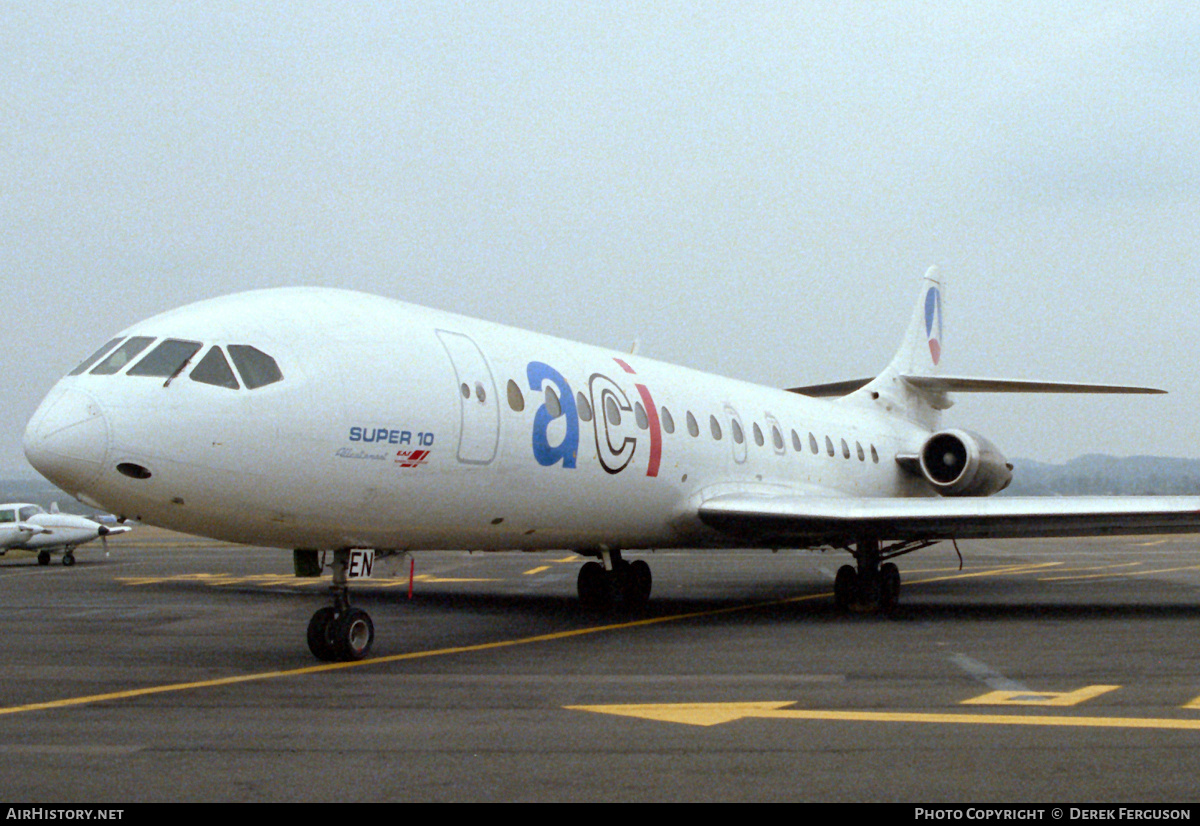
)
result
[(1102, 475), (1094, 474)]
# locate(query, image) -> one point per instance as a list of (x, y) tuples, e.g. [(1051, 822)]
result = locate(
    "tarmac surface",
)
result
[(1055, 672)]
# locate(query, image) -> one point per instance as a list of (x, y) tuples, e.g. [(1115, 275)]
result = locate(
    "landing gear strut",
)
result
[(874, 586), (614, 581), (339, 632)]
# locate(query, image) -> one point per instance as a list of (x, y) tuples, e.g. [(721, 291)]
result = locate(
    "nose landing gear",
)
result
[(338, 632)]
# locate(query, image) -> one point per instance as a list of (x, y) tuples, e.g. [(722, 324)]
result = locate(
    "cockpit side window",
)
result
[(94, 357), (256, 367), (166, 359), (28, 511), (214, 369), (122, 356), (8, 515)]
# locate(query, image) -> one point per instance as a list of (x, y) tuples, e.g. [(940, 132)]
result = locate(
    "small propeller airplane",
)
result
[(28, 527), (327, 420)]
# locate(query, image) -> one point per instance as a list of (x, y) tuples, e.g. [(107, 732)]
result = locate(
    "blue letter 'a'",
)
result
[(566, 451)]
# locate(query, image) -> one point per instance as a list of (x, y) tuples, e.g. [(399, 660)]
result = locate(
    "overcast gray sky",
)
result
[(751, 189)]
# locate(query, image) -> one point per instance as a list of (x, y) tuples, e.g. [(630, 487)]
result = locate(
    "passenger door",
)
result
[(479, 433)]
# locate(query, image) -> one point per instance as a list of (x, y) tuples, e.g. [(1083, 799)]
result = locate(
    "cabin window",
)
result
[(257, 368), (8, 515), (553, 405), (165, 360), (480, 393), (715, 427), (465, 389), (758, 435), (737, 432), (668, 423), (584, 406), (612, 413), (214, 369), (777, 438), (122, 356), (874, 455), (796, 446), (693, 427), (861, 456), (94, 357), (812, 443), (829, 446), (516, 399), (639, 414), (845, 450)]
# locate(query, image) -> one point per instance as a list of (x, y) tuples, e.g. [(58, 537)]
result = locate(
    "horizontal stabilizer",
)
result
[(966, 384)]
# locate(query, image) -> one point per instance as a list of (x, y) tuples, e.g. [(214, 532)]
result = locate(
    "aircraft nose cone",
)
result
[(67, 440)]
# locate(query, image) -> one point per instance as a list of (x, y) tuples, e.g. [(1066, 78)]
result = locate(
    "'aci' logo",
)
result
[(933, 322)]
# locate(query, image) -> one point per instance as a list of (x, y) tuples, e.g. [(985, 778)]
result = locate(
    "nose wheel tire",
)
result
[(353, 633), (320, 643), (335, 636)]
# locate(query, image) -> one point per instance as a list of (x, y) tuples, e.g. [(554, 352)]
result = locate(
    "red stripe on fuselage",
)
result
[(652, 421), (655, 431)]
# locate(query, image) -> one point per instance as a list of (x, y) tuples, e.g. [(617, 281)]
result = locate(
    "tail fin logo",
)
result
[(933, 322)]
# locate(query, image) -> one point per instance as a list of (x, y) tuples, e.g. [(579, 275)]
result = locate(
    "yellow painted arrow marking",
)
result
[(1040, 698), (712, 714)]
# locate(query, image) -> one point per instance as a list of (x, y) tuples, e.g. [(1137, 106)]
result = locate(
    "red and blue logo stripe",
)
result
[(933, 322)]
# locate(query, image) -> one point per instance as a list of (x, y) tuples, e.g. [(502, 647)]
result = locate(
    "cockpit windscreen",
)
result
[(166, 359), (122, 356)]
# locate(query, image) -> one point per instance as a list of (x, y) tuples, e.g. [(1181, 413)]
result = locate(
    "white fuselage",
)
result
[(399, 427)]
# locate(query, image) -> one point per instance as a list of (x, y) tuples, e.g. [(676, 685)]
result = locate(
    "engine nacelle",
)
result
[(961, 463)]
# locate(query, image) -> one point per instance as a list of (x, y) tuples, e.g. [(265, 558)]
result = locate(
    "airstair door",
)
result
[(479, 433)]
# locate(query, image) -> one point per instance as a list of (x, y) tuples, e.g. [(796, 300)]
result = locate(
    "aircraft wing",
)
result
[(971, 384), (807, 520)]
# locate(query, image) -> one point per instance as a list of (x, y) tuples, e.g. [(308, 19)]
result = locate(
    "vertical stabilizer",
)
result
[(920, 354)]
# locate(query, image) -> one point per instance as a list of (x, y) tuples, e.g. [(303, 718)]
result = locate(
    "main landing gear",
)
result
[(68, 559), (614, 580), (875, 586), (339, 632)]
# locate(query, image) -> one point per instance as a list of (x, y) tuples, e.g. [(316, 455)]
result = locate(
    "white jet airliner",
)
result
[(328, 420)]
